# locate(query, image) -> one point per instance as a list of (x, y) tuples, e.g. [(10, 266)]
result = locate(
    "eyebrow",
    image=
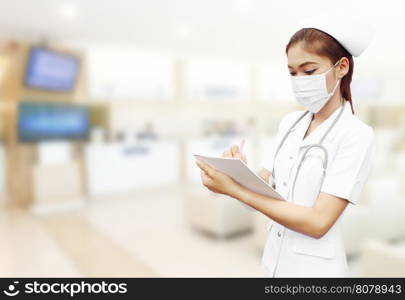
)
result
[(304, 64)]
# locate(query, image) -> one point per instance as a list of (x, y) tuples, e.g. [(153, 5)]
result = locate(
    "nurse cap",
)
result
[(354, 35)]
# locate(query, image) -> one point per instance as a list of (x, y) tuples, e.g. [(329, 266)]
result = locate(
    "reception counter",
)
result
[(119, 168)]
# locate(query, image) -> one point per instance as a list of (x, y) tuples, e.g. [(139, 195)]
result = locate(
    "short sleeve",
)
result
[(351, 166)]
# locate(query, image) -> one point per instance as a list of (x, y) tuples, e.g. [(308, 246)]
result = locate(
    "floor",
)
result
[(134, 236), (143, 235)]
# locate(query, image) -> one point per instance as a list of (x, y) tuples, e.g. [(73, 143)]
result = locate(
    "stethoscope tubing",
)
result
[(308, 147)]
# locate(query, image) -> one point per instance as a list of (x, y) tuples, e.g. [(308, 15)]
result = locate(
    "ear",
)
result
[(343, 67)]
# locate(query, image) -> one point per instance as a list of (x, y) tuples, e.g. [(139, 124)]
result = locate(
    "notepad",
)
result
[(241, 173)]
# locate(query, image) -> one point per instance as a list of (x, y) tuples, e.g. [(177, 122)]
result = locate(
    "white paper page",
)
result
[(240, 172)]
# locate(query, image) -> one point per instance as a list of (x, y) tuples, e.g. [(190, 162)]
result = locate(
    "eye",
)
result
[(292, 73), (309, 72)]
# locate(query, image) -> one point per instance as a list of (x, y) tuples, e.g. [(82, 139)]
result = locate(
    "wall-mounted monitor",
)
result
[(39, 121), (51, 71)]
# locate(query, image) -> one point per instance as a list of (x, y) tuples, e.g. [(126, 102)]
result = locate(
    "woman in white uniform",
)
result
[(321, 158)]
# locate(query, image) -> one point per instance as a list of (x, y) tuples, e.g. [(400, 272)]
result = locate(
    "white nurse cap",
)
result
[(352, 34)]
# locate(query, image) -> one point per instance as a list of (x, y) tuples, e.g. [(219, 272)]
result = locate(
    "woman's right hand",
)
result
[(234, 152)]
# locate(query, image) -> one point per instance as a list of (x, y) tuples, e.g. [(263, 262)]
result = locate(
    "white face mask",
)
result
[(311, 90)]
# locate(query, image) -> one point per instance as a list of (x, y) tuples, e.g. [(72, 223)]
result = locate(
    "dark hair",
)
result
[(322, 44)]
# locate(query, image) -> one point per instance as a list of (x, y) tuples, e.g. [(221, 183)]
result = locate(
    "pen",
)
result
[(242, 143)]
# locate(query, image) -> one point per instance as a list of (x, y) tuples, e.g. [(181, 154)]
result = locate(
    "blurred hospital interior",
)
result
[(104, 103)]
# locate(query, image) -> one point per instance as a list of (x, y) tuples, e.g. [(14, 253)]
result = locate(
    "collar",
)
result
[(315, 136)]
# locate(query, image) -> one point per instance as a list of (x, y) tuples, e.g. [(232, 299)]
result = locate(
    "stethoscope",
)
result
[(308, 147)]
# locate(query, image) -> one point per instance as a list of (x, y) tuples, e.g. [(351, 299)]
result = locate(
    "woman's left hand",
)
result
[(216, 181)]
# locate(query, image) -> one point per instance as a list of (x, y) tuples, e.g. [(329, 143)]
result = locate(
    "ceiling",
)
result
[(244, 29)]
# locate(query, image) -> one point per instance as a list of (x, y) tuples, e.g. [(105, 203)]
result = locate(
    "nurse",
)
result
[(321, 158)]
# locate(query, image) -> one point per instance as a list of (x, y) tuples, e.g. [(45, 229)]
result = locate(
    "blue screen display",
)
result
[(45, 121), (50, 70)]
